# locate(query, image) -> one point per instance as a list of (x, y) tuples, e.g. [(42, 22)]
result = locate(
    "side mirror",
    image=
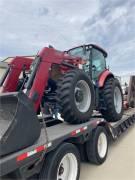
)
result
[(94, 68)]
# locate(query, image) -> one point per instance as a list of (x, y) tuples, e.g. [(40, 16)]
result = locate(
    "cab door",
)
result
[(98, 63)]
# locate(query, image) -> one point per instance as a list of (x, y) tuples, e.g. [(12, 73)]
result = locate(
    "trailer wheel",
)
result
[(97, 146), (76, 97), (62, 164)]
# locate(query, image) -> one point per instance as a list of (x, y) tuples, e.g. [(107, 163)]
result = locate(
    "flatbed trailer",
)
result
[(34, 160)]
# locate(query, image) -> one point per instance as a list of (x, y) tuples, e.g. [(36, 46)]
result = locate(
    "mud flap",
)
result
[(19, 125)]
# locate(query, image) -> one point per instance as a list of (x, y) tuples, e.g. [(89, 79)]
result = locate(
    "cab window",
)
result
[(79, 52), (98, 63)]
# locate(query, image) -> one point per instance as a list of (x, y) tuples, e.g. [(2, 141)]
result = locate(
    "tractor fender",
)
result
[(102, 78)]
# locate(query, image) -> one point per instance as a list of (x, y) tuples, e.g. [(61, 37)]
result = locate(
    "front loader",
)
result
[(61, 83), (40, 87)]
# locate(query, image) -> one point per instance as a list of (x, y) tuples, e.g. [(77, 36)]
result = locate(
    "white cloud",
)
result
[(34, 24), (28, 25), (113, 28)]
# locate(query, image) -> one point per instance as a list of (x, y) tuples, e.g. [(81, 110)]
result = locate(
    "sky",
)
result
[(26, 26)]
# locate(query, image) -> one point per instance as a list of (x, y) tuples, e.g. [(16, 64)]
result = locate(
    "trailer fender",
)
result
[(108, 128)]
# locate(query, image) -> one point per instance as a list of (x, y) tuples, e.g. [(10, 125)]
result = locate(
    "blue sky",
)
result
[(29, 25)]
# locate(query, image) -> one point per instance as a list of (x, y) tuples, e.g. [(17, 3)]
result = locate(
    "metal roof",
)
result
[(10, 58), (3, 64), (91, 45)]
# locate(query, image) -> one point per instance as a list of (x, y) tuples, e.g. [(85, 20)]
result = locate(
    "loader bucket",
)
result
[(19, 125)]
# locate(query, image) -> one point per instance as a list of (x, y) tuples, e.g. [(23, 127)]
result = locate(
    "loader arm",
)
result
[(10, 79), (38, 80), (19, 124)]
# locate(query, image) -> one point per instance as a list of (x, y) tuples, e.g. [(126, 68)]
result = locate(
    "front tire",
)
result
[(64, 163), (76, 97), (112, 99)]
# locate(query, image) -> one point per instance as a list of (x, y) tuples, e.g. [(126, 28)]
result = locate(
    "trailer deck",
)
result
[(59, 133)]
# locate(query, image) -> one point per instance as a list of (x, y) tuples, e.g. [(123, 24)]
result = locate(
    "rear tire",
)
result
[(113, 100), (64, 162), (132, 104), (75, 95)]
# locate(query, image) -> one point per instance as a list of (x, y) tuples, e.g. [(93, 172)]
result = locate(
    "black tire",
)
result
[(67, 97), (132, 104), (107, 94), (53, 160), (92, 147)]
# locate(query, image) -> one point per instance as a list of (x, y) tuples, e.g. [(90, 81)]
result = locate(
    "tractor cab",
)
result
[(94, 57)]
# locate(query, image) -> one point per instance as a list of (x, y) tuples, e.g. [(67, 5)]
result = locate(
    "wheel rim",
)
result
[(82, 96), (68, 168), (117, 100), (102, 145)]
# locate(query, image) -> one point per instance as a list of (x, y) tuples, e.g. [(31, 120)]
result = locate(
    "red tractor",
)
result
[(108, 92), (71, 83), (97, 88)]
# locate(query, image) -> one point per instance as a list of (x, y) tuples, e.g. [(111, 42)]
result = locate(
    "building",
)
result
[(3, 66)]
